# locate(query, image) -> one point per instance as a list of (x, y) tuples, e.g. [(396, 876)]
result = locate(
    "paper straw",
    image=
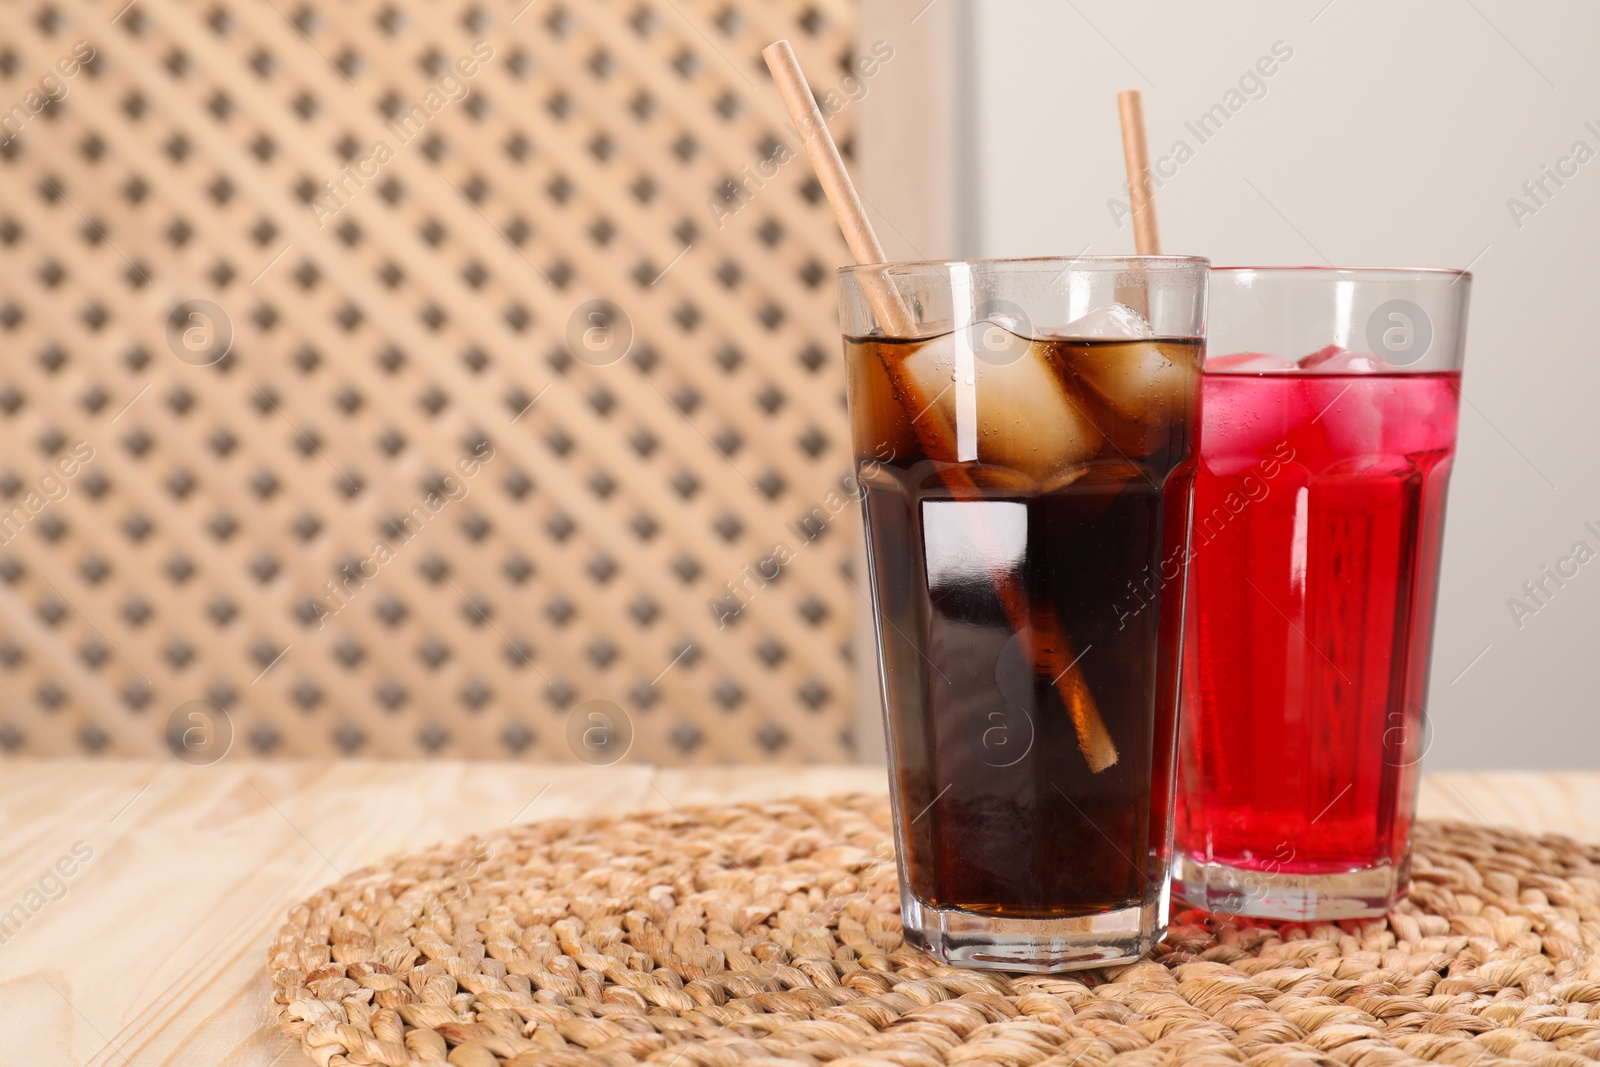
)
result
[(1141, 199), (1048, 644), (892, 314)]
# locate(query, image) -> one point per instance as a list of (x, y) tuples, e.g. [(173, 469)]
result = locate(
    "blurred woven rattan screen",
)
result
[(420, 506)]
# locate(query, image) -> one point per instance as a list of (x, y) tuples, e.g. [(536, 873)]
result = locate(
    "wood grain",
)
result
[(155, 952)]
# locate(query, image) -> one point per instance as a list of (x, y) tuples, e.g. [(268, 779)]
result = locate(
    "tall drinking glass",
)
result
[(1022, 433), (1328, 431)]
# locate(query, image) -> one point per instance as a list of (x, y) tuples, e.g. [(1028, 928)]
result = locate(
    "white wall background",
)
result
[(1395, 135)]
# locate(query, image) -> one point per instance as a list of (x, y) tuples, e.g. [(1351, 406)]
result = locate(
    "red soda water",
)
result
[(1314, 555)]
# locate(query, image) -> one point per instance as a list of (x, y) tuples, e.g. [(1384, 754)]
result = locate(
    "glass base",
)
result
[(1217, 887), (1040, 946)]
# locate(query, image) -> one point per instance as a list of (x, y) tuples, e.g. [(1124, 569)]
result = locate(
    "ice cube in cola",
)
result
[(1137, 382), (1020, 418), (1029, 670)]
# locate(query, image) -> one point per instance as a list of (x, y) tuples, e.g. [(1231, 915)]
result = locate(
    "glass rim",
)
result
[(1365, 273), (1163, 263)]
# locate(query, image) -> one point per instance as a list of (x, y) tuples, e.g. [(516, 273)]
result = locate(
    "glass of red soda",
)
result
[(1328, 429)]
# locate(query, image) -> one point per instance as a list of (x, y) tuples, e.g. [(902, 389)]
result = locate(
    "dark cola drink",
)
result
[(1023, 497)]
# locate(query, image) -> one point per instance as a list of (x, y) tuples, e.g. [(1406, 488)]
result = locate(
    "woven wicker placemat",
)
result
[(770, 934)]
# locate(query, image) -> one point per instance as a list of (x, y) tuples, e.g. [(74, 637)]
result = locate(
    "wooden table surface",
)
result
[(137, 898)]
